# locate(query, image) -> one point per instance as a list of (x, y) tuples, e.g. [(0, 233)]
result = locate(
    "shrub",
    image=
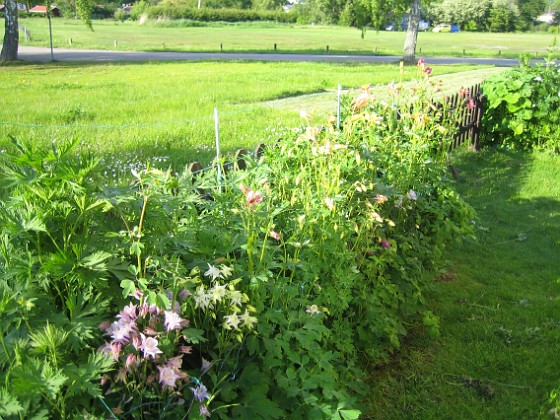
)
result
[(523, 107), (121, 15)]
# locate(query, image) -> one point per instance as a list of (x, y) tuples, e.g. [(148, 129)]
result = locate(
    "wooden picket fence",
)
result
[(469, 105)]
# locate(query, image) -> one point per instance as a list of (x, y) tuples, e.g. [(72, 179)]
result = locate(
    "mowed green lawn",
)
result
[(177, 36), (497, 356), (131, 114)]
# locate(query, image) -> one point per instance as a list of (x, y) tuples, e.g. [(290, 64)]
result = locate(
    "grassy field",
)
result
[(177, 36), (497, 357), (131, 114)]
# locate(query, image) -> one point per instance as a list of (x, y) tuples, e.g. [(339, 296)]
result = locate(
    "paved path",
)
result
[(42, 55)]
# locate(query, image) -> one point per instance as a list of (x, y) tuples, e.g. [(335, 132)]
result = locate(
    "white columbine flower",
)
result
[(213, 272), (217, 293), (226, 271), (201, 298), (232, 321), (235, 297), (248, 320), (312, 310)]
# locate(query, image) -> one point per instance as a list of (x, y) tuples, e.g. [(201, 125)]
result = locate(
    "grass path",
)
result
[(325, 102), (497, 356)]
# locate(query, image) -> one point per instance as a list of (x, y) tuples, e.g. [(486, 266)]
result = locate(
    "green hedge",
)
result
[(219, 15)]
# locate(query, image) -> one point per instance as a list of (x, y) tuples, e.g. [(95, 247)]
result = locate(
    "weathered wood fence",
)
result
[(467, 103)]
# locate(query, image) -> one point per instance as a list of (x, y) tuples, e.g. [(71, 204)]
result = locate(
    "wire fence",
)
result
[(468, 104)]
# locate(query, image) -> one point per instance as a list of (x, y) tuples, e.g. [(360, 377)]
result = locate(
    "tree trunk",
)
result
[(11, 35), (412, 33)]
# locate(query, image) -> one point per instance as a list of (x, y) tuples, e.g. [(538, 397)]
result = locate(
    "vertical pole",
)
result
[(50, 30), (338, 108), (217, 129)]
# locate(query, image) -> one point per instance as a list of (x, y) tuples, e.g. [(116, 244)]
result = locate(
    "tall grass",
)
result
[(178, 36)]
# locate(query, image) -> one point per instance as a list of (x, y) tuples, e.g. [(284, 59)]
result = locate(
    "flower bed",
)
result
[(266, 300)]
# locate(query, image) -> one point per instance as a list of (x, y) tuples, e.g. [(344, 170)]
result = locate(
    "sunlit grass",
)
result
[(262, 37), (130, 114)]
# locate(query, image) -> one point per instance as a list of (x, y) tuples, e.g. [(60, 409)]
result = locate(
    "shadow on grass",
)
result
[(496, 357)]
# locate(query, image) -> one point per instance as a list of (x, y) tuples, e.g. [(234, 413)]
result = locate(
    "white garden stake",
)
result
[(338, 108), (217, 129)]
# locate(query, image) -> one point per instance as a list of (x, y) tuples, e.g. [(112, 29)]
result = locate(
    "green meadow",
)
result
[(262, 37), (163, 113)]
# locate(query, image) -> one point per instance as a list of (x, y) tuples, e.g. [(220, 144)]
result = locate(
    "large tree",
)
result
[(11, 34), (411, 38)]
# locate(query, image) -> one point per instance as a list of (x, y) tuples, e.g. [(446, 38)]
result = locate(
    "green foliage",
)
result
[(523, 108), (172, 11), (140, 8), (333, 235)]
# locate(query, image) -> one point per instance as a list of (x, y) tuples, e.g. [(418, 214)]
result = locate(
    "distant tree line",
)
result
[(470, 15)]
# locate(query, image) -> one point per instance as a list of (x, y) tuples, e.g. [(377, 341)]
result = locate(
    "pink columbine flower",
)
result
[(204, 411), (149, 347), (252, 197), (184, 294), (136, 342), (274, 235), (428, 70), (385, 244), (175, 362), (128, 313), (168, 376), (130, 361), (121, 331), (471, 104), (381, 198), (173, 321)]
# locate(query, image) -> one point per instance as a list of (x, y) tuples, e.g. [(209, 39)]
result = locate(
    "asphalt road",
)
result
[(43, 55)]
